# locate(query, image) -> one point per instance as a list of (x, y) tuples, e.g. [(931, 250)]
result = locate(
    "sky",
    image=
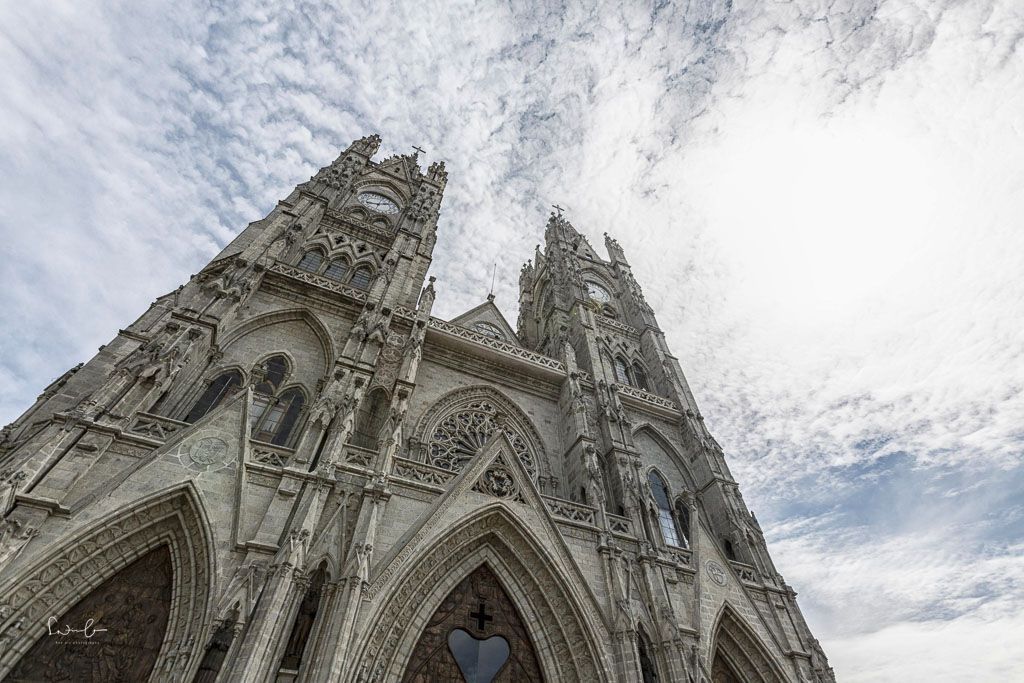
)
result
[(822, 200)]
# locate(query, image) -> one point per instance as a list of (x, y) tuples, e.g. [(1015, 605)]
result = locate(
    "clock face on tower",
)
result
[(377, 202), (598, 293)]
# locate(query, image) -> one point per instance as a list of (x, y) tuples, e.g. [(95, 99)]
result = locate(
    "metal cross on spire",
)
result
[(557, 208), (418, 150)]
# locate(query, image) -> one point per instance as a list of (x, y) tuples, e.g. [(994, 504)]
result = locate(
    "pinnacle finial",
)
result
[(367, 145)]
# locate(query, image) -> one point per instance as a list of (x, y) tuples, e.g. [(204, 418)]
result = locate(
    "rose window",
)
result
[(460, 436)]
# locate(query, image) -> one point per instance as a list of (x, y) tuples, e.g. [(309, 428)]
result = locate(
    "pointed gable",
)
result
[(487, 319)]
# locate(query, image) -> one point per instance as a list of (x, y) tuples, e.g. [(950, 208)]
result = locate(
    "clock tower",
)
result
[(288, 469)]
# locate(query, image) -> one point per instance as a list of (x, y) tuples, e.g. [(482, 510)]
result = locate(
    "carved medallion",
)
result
[(208, 451), (716, 572)]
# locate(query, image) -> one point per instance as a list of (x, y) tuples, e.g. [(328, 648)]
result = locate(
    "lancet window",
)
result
[(362, 277), (640, 377), (666, 520), (311, 261), (302, 628), (273, 415), (621, 371), (683, 520), (222, 387), (338, 269), (648, 670)]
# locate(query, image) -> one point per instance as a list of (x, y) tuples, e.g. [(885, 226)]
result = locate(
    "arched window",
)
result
[(372, 412), (621, 371), (298, 641), (278, 417), (730, 552), (273, 416), (361, 277), (273, 370), (337, 269), (640, 377), (669, 530), (648, 671), (311, 260), (683, 518), (222, 387)]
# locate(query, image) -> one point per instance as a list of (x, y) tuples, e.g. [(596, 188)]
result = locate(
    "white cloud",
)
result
[(822, 201)]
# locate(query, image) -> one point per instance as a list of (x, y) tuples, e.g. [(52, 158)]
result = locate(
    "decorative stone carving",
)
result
[(208, 451), (716, 572), (497, 345), (459, 437), (14, 536), (498, 481)]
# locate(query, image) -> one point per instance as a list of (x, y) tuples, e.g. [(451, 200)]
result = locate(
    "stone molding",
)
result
[(503, 348), (568, 645), (81, 562), (317, 281)]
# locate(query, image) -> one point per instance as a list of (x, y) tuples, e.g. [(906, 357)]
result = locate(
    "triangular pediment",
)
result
[(722, 587), (495, 477), (490, 320), (401, 166), (205, 453)]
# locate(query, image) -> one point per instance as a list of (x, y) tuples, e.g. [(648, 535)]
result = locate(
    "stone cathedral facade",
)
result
[(288, 470)]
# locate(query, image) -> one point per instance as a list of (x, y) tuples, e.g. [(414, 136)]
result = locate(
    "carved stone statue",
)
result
[(13, 537)]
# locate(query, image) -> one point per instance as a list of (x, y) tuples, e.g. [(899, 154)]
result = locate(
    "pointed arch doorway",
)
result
[(476, 635), (738, 656), (722, 671), (118, 629)]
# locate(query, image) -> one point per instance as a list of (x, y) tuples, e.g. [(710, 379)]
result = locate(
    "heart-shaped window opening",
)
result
[(479, 660)]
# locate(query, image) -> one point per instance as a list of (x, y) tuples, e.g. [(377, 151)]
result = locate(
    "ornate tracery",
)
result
[(460, 435)]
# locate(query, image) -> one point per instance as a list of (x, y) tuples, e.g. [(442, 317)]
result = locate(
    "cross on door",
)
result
[(481, 616)]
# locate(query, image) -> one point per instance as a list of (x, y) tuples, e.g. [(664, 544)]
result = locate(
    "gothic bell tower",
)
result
[(625, 390), (288, 470)]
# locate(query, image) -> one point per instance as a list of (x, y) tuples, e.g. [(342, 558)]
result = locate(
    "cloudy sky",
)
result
[(822, 199)]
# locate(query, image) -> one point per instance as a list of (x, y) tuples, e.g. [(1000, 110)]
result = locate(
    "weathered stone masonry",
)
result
[(325, 471)]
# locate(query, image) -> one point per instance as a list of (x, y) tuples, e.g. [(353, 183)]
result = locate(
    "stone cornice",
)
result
[(317, 281), (645, 400), (455, 336)]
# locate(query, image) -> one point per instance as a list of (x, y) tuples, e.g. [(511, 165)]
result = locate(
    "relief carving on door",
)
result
[(475, 636), (113, 635)]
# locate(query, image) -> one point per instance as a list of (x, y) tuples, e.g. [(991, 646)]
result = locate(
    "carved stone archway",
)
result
[(568, 635), (82, 562), (476, 621), (737, 653)]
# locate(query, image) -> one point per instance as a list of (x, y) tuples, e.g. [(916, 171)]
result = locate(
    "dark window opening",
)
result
[(304, 621), (372, 414), (669, 529), (219, 389), (336, 270), (361, 278), (640, 377), (311, 261), (647, 669)]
